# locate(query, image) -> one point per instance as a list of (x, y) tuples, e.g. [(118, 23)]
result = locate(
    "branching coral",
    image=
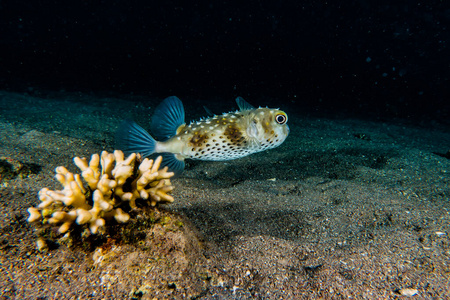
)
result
[(108, 185)]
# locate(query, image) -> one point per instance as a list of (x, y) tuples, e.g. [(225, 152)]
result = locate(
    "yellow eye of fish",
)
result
[(281, 119)]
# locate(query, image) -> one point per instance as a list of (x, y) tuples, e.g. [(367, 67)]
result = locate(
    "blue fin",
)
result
[(175, 165), (130, 137), (209, 112), (168, 116), (243, 105)]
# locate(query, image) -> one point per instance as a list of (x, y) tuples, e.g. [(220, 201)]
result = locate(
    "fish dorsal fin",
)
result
[(180, 128), (209, 112), (243, 105), (168, 116)]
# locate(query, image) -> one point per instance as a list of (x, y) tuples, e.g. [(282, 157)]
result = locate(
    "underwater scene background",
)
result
[(354, 203)]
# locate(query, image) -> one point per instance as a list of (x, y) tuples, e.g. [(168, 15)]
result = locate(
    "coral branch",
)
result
[(98, 195)]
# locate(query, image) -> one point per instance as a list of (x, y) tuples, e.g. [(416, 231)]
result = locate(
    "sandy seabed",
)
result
[(344, 209)]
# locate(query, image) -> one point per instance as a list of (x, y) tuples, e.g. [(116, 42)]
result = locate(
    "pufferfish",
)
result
[(216, 138)]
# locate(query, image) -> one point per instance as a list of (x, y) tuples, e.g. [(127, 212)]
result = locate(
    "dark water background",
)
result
[(377, 59)]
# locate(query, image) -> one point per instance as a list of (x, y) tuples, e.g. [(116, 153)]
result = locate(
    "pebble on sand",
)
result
[(408, 292)]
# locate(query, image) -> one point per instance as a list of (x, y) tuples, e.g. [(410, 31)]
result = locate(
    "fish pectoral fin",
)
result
[(252, 130)]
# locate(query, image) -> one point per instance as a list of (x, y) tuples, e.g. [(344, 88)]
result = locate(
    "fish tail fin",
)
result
[(132, 138), (167, 118)]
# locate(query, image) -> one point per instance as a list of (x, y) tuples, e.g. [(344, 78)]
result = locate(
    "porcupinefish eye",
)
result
[(281, 119)]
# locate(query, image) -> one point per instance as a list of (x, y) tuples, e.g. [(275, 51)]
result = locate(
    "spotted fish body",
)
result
[(217, 138), (228, 136)]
